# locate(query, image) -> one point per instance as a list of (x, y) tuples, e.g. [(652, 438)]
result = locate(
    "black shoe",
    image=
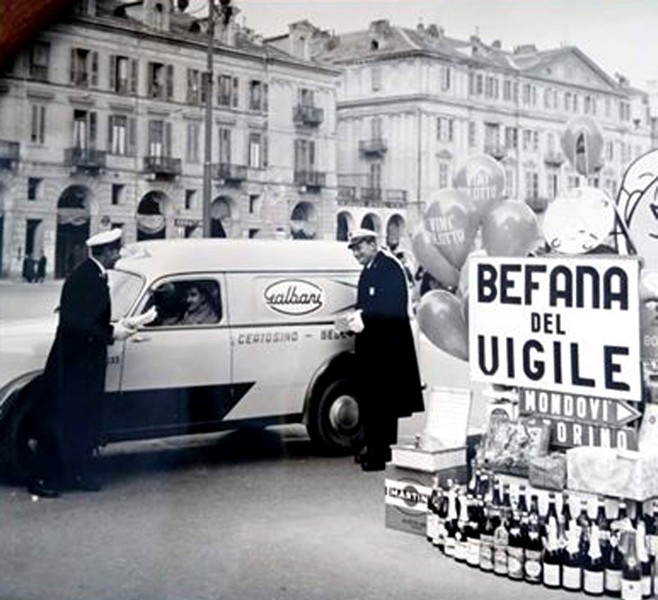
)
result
[(373, 464), (41, 488), (86, 483), (360, 456)]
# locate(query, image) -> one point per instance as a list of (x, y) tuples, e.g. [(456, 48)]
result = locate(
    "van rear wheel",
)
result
[(18, 440), (333, 420)]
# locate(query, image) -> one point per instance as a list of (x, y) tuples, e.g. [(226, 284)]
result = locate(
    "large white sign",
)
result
[(568, 324)]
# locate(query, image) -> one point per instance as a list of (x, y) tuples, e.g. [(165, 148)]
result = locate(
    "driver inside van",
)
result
[(199, 306)]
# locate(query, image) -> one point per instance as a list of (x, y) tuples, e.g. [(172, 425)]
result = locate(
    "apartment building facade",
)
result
[(414, 103), (102, 125)]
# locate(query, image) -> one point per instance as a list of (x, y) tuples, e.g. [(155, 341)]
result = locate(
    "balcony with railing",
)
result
[(373, 147), (89, 160), (371, 197), (10, 154), (311, 180), (311, 116), (554, 159), (229, 174), (496, 150), (163, 166)]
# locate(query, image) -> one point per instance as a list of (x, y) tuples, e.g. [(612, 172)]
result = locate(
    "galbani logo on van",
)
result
[(294, 297)]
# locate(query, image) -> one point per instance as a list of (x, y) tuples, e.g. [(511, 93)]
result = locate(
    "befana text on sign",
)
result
[(569, 325)]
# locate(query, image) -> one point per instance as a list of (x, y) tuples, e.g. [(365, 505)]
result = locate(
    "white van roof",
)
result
[(160, 257)]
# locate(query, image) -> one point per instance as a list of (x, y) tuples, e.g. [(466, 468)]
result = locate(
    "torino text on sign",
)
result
[(567, 332)]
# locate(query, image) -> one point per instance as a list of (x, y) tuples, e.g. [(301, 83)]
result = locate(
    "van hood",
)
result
[(24, 346)]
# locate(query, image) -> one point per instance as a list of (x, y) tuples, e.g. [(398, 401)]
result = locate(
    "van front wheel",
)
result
[(333, 420)]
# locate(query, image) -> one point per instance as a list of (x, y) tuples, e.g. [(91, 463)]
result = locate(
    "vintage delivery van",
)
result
[(262, 349)]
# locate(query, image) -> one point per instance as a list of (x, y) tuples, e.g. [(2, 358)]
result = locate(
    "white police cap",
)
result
[(104, 238), (358, 235)]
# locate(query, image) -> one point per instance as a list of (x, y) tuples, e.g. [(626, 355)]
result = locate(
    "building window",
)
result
[(121, 135), (376, 78), (189, 199), (446, 79), (445, 129), (253, 203), (527, 139), (507, 90), (376, 128), (306, 97), (511, 137), (33, 188), (159, 138), (227, 91), (472, 135), (526, 94), (160, 81), (444, 174), (535, 141), (532, 184), (39, 60), (84, 67), (84, 129), (608, 109), (257, 95), (509, 183), (609, 150), (225, 145), (491, 88), (123, 74), (257, 148), (192, 147), (552, 184), (38, 124), (117, 193), (304, 156), (196, 88)]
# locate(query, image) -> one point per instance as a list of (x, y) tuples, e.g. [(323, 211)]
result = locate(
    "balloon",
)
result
[(510, 229), (452, 222), (483, 179), (441, 319), (579, 220), (432, 260), (582, 143)]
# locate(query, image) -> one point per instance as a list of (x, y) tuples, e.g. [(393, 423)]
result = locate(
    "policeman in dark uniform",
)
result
[(69, 408), (388, 381)]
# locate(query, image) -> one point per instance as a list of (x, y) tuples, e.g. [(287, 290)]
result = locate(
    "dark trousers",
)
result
[(380, 429)]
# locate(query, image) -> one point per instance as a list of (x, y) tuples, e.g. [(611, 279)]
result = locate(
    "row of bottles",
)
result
[(482, 527)]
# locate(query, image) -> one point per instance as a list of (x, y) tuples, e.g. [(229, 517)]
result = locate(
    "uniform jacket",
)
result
[(74, 378), (385, 350)]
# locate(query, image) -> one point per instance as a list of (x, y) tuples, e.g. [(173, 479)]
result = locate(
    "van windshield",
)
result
[(124, 289)]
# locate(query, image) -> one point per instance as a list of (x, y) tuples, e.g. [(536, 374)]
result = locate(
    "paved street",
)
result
[(243, 515)]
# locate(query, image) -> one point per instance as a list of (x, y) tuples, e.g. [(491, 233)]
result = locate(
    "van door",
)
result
[(282, 328), (176, 375)]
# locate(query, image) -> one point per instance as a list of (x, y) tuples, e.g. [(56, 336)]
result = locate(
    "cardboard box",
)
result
[(615, 473), (406, 492), (410, 457)]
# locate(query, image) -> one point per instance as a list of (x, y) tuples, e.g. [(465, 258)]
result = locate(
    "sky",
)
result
[(619, 35)]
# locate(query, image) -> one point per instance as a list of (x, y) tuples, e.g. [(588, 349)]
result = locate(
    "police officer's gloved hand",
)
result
[(122, 331)]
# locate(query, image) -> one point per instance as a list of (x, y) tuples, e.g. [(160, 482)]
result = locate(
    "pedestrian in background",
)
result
[(41, 267), (388, 381), (28, 268), (69, 406)]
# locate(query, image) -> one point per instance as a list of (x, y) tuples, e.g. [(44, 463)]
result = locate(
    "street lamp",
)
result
[(225, 12)]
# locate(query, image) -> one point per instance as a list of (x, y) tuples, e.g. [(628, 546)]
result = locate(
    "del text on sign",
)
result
[(576, 407)]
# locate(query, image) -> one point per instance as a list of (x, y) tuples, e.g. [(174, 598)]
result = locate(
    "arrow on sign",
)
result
[(579, 408)]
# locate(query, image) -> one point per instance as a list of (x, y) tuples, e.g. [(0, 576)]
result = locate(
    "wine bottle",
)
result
[(572, 568), (473, 533), (515, 549), (552, 556), (501, 545), (507, 501), (474, 482), (487, 541), (483, 485), (550, 512), (623, 521), (521, 505), (433, 510), (583, 517), (594, 568), (613, 567), (441, 518), (461, 543), (643, 557), (603, 524), (533, 545), (631, 576), (451, 522)]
